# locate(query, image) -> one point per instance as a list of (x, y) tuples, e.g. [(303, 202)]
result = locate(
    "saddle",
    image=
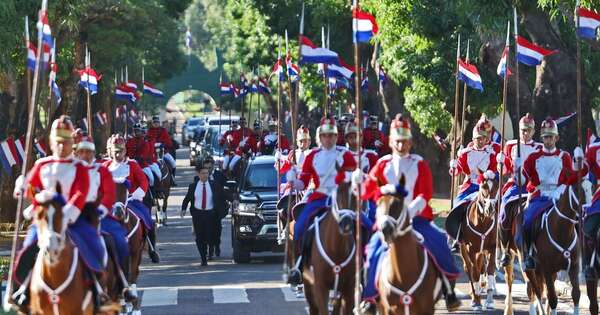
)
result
[(455, 219)]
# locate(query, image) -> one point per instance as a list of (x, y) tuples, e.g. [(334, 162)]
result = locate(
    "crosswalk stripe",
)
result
[(159, 297), (230, 294), (289, 295)]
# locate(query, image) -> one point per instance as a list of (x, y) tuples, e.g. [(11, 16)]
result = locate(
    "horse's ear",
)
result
[(402, 180), (58, 188)]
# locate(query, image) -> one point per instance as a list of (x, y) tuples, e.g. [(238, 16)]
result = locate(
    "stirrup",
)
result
[(294, 277)]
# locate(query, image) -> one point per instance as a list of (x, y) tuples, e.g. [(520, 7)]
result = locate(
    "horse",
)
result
[(331, 263), (135, 238), (408, 281), (58, 284), (478, 246), (556, 246), (592, 284), (162, 187)]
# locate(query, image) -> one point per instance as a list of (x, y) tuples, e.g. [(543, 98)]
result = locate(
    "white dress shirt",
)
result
[(198, 196)]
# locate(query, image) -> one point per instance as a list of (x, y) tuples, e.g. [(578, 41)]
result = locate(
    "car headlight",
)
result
[(193, 153), (247, 207), (192, 144)]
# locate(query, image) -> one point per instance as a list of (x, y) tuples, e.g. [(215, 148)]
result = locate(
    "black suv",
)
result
[(254, 215)]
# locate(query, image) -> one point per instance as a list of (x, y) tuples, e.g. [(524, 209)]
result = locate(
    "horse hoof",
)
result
[(477, 308), (128, 308), (489, 305)]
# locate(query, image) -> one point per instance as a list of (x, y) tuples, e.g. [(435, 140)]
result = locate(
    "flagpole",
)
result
[(455, 135), (50, 94), (297, 100), (518, 107), (464, 106), (90, 123), (502, 130), (221, 105), (357, 75), (289, 80), (579, 131), (28, 155), (27, 54), (326, 90)]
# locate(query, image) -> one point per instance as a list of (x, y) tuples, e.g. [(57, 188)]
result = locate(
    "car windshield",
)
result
[(216, 122), (261, 176), (196, 122)]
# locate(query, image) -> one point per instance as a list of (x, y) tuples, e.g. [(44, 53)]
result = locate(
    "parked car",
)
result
[(254, 213), (190, 127), (208, 144), (222, 120)]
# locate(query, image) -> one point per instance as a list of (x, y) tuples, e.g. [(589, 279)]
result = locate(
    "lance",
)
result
[(579, 131), (502, 129), (31, 107), (50, 94), (221, 105), (289, 80), (27, 54), (280, 227), (518, 110), (455, 131), (88, 62), (326, 85), (464, 105), (357, 90), (297, 100), (126, 109)]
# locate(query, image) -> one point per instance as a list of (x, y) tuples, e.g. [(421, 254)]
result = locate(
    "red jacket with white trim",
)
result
[(319, 167), (132, 171), (546, 170), (101, 184)]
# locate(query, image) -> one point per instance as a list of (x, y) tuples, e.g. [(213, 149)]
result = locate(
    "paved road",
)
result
[(179, 285)]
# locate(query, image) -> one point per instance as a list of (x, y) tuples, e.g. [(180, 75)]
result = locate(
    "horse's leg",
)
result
[(508, 277), (551, 292), (592, 293), (310, 299), (490, 272), (533, 292), (469, 269), (575, 291)]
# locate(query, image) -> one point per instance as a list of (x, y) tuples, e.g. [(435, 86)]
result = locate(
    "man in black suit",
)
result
[(214, 248), (207, 200)]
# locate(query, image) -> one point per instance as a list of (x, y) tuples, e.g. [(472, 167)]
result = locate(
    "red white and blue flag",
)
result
[(531, 54), (263, 86), (225, 88), (150, 89), (310, 53), (132, 85), (503, 64), (120, 112), (31, 56), (364, 85), (253, 87), (278, 69), (44, 28), (52, 79), (101, 118), (40, 148), (364, 26), (89, 80), (244, 89), (341, 70), (125, 92), (9, 155), (589, 21), (292, 69), (563, 120), (235, 90), (468, 73)]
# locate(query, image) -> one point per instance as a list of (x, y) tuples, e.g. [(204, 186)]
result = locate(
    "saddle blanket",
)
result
[(534, 209), (432, 239), (83, 236), (142, 212), (113, 227), (467, 195), (510, 195)]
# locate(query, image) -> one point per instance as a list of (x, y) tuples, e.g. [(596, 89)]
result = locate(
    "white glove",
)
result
[(138, 194), (453, 164), (340, 159), (277, 155), (291, 176), (357, 177), (229, 138), (578, 153), (70, 213), (378, 143), (19, 186), (28, 212), (489, 175), (387, 189), (243, 142), (416, 206), (500, 158)]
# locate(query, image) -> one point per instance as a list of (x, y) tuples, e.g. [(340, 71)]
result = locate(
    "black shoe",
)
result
[(204, 263), (505, 260), (367, 308), (529, 263), (154, 256), (210, 257), (452, 302), (590, 273), (295, 277), (218, 251)]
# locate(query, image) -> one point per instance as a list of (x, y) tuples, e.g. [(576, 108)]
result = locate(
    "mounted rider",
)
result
[(342, 121), (549, 171), (239, 141), (62, 171), (140, 148), (512, 164), (473, 161), (383, 180), (102, 185), (591, 222), (270, 140), (294, 159), (493, 137), (323, 169), (374, 139), (159, 135), (128, 171)]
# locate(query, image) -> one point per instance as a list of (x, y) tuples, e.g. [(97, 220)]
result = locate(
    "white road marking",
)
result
[(289, 295), (159, 297), (229, 294)]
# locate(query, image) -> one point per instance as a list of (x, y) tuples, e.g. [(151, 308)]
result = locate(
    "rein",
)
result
[(483, 235), (136, 227), (566, 252)]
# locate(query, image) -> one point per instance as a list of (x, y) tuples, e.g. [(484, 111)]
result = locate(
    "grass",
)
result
[(440, 207)]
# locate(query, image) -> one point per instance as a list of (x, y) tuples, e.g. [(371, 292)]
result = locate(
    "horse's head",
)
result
[(51, 224), (393, 218), (160, 150), (487, 195), (119, 211), (344, 217)]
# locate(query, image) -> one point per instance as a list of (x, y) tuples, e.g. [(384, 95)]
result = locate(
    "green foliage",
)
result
[(425, 104)]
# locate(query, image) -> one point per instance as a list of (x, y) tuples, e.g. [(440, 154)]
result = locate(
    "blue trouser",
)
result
[(310, 210), (535, 207), (510, 195), (467, 194), (112, 227), (434, 241)]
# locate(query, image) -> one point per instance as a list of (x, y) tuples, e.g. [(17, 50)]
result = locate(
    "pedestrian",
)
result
[(214, 248), (206, 199)]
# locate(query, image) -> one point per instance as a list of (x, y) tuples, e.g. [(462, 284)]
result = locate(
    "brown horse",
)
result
[(135, 237), (478, 246), (408, 281), (507, 228), (331, 264), (57, 283), (555, 249), (162, 188), (592, 285)]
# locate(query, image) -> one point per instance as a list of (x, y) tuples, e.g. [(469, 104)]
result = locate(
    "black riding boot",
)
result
[(527, 240), (295, 275), (452, 302), (152, 250)]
